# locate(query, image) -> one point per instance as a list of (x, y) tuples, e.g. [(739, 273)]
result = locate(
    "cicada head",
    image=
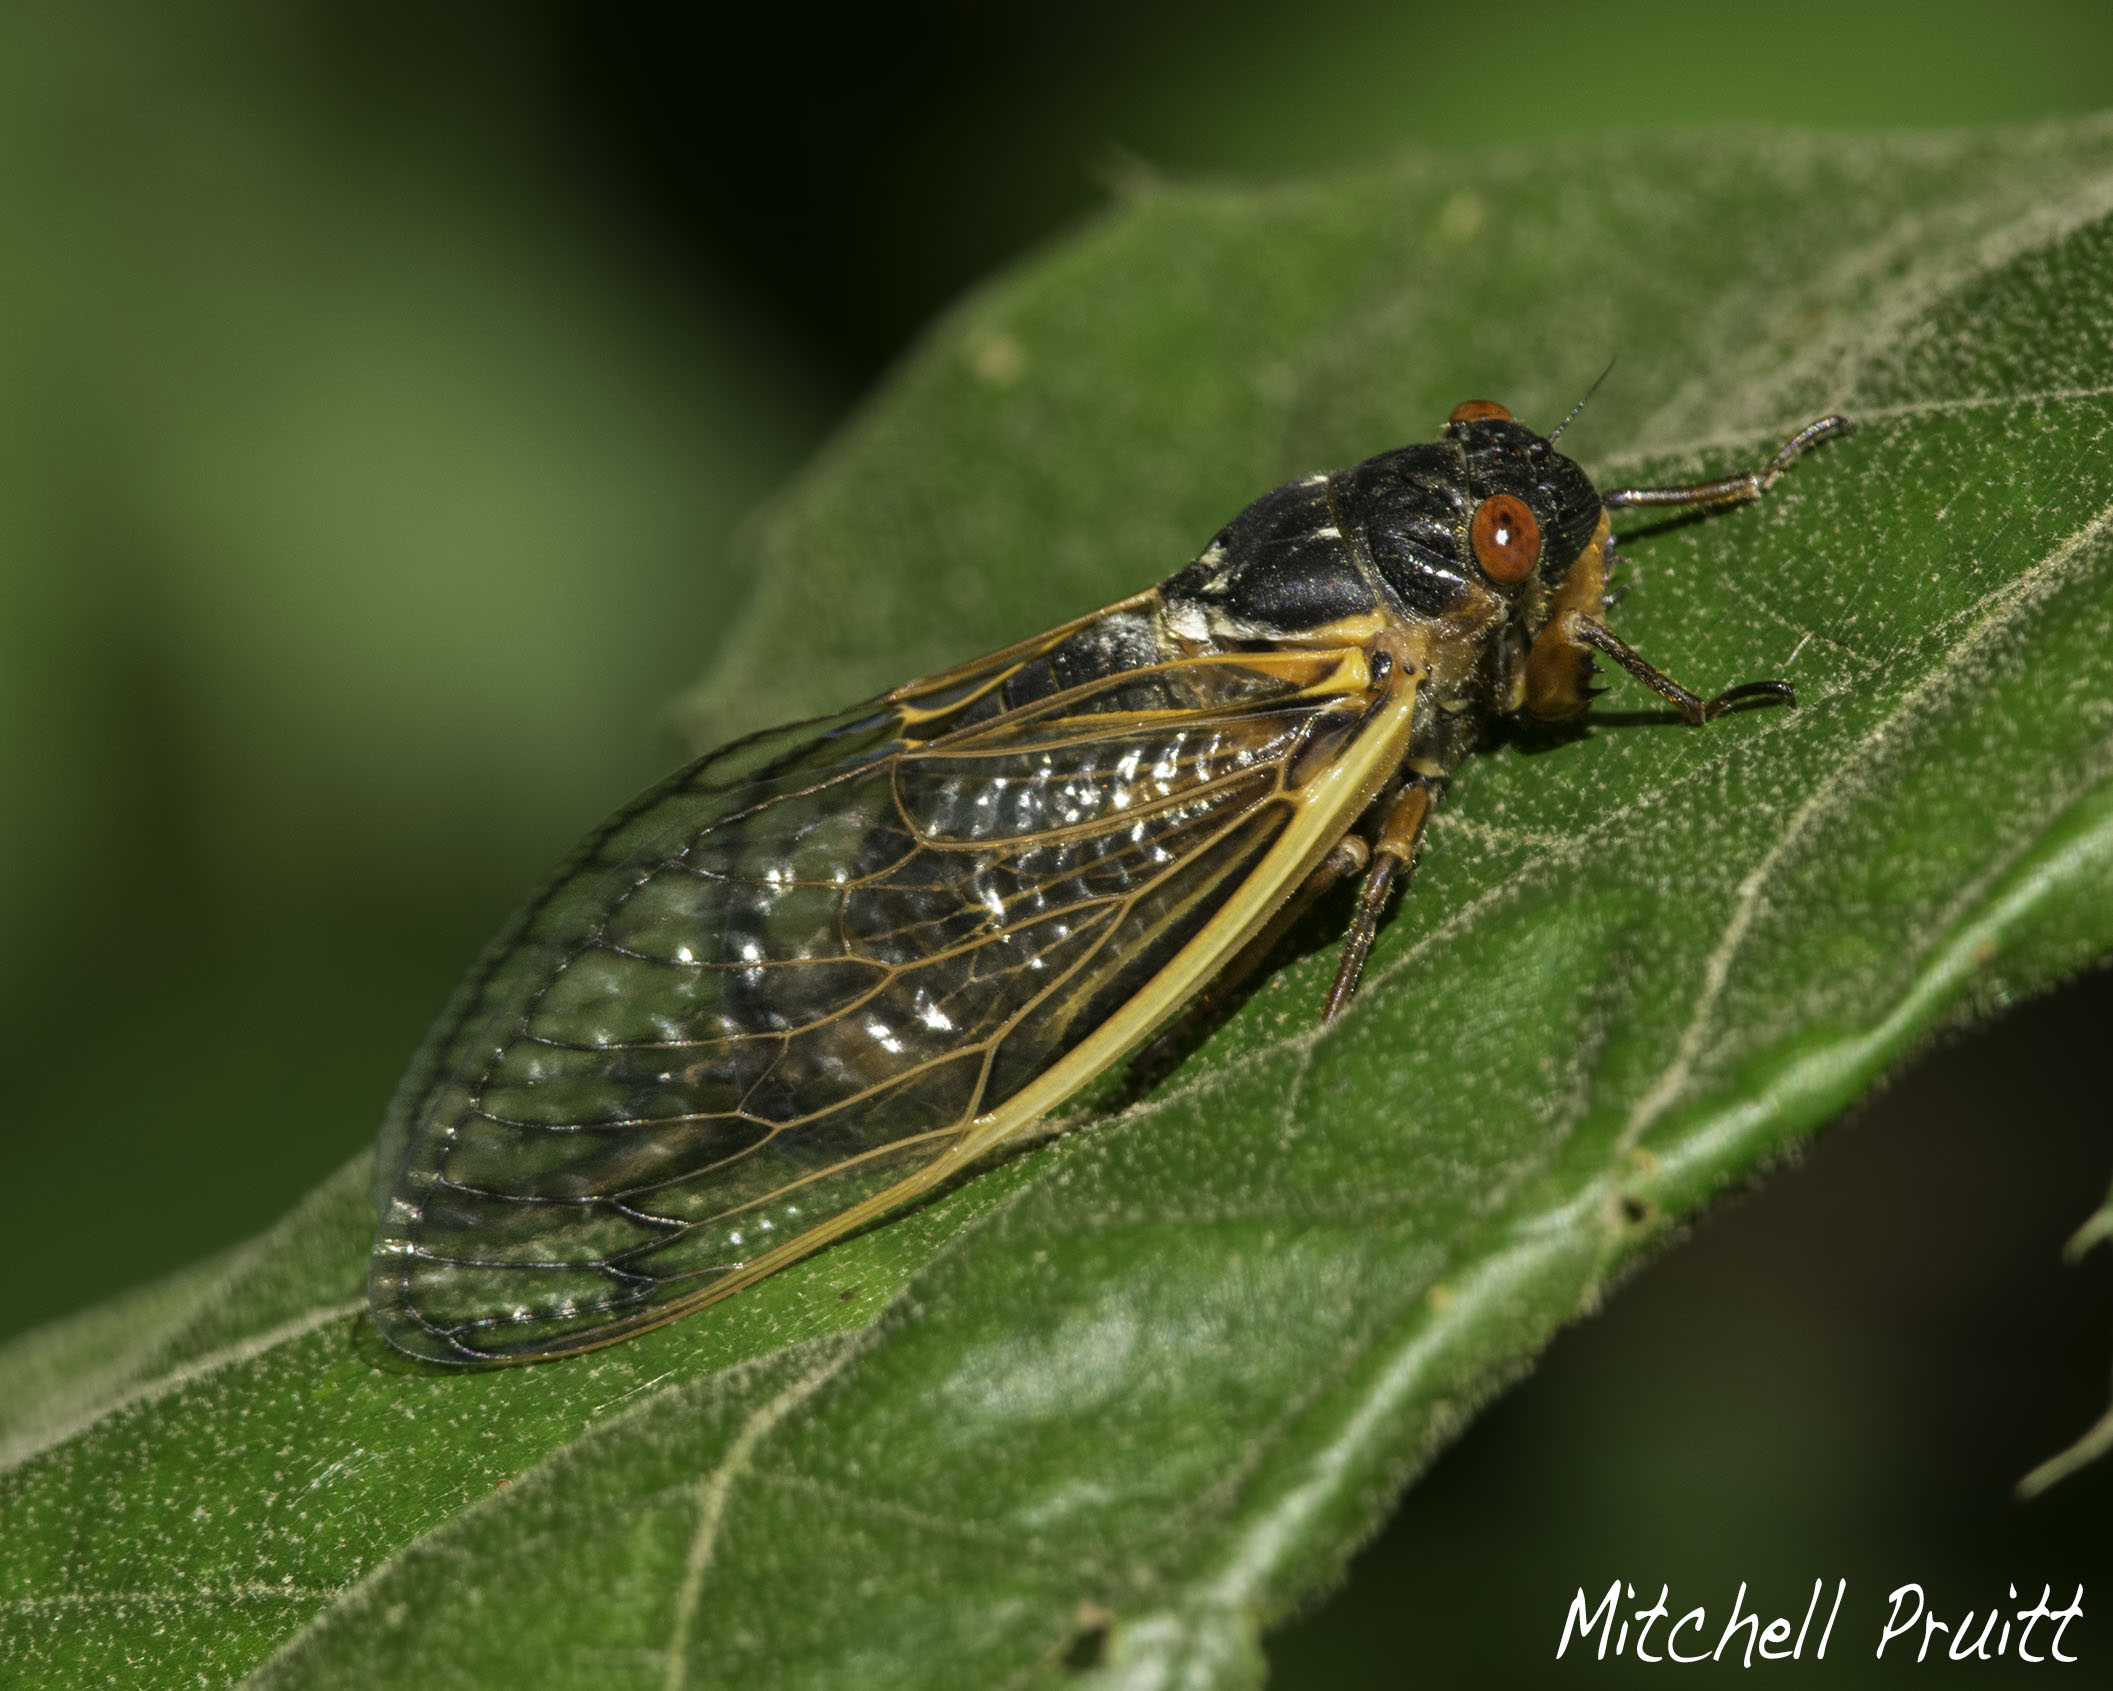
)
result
[(1485, 536), (1531, 511), (1537, 533), (1491, 515)]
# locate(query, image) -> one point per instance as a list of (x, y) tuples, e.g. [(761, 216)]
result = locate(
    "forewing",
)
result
[(784, 988)]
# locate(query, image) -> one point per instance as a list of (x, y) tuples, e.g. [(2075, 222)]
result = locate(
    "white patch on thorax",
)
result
[(1226, 626), (1185, 617)]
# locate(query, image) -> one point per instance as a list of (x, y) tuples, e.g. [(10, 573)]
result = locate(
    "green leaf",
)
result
[(1135, 1393)]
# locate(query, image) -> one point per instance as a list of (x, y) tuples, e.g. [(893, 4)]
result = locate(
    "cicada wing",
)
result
[(817, 970)]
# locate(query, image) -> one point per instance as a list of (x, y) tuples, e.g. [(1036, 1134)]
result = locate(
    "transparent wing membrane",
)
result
[(784, 988)]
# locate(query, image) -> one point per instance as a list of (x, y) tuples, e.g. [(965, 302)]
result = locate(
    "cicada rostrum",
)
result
[(823, 969)]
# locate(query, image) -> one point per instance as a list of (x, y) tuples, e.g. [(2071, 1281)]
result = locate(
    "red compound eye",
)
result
[(1476, 410), (1506, 538)]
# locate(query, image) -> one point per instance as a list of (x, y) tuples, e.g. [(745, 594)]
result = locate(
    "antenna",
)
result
[(1581, 404)]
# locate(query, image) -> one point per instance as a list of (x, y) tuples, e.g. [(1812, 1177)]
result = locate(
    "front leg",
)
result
[(1692, 706)]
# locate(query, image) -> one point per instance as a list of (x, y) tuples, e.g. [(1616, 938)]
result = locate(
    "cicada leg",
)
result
[(1346, 857), (1393, 857), (1696, 709), (1732, 490)]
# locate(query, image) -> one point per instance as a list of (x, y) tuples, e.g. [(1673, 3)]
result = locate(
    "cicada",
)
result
[(825, 968)]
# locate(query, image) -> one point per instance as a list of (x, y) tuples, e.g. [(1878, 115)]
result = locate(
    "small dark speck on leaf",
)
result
[(1088, 1647)]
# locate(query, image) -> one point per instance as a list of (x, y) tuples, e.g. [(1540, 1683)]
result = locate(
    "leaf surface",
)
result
[(1135, 1393)]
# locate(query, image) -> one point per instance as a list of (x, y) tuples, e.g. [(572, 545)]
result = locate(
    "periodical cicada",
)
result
[(825, 968)]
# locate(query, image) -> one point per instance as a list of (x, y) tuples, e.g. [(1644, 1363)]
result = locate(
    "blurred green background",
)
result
[(382, 387)]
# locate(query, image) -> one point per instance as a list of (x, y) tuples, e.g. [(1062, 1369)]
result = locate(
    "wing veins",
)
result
[(986, 1046), (1085, 830), (892, 1146), (890, 973), (1276, 726)]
